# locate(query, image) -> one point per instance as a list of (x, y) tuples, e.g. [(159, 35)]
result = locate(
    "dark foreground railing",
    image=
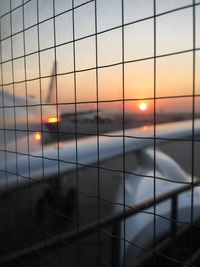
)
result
[(114, 221)]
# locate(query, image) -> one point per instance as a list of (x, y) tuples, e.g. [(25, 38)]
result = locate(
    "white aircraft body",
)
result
[(86, 150), (29, 166)]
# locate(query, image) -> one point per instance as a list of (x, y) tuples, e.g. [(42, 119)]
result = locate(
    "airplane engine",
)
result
[(146, 183)]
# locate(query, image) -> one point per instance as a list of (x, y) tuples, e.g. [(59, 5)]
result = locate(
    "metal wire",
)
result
[(86, 236)]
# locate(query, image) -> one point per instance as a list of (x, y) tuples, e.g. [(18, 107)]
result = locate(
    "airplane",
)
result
[(21, 114), (50, 172)]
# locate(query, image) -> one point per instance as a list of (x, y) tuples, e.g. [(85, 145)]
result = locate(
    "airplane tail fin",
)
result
[(51, 93)]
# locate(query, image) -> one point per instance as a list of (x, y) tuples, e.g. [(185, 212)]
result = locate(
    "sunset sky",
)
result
[(174, 33)]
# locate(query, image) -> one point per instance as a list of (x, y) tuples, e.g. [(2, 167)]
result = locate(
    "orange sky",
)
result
[(174, 74)]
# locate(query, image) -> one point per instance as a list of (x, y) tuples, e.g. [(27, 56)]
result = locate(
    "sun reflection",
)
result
[(37, 136)]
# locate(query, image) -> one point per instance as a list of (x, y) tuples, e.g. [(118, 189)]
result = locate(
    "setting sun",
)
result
[(143, 106)]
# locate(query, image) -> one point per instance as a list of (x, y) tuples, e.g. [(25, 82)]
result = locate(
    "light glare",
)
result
[(143, 106), (37, 136), (53, 120)]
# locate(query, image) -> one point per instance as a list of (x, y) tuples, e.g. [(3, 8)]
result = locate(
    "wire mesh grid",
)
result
[(94, 95)]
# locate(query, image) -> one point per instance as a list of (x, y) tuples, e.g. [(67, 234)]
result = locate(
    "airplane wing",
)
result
[(32, 163)]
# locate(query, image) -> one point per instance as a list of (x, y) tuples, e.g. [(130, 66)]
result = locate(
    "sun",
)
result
[(143, 106)]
